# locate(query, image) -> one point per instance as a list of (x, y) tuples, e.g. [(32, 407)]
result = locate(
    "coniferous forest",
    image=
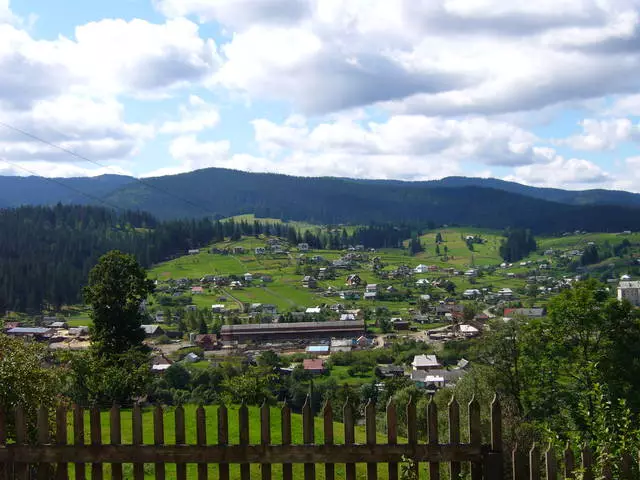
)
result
[(46, 252)]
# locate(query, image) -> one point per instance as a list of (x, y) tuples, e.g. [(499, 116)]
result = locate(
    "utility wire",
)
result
[(82, 157)]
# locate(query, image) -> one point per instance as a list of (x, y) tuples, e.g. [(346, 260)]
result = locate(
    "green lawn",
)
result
[(211, 431)]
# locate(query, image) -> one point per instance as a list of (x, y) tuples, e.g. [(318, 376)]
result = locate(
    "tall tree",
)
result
[(116, 288)]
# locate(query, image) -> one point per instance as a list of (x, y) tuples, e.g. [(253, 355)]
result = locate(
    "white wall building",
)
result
[(629, 291)]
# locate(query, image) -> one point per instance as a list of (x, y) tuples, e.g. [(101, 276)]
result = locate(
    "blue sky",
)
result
[(541, 93)]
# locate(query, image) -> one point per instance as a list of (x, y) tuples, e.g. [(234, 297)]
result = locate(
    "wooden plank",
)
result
[(181, 439), (327, 415), (223, 439), (494, 461), (96, 440), (349, 438), (370, 423), (62, 469), (44, 469), (285, 413), (265, 436), (534, 463), (519, 464), (350, 453), (158, 439), (392, 436), (136, 426), (115, 438), (307, 436), (432, 425), (201, 440), (626, 467), (475, 435), (412, 431), (454, 434), (78, 439), (569, 462), (21, 469), (587, 463), (4, 466), (243, 424), (551, 463)]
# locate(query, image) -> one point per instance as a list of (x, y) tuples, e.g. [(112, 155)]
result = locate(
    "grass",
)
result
[(212, 436)]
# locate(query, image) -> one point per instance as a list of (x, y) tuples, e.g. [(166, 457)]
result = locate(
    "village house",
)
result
[(309, 282), (505, 293), (248, 277), (323, 273), (238, 250), (277, 248), (218, 308), (468, 331), (389, 371), (400, 324), (291, 331), (425, 362), (37, 333), (370, 295), (345, 317), (160, 363), (422, 282), (317, 349), (303, 247), (315, 366), (371, 288), (353, 280), (525, 312), (207, 341), (358, 312), (313, 311), (349, 295), (629, 291), (260, 251), (197, 290), (266, 278), (363, 342), (341, 345), (421, 269), (194, 251), (471, 293), (152, 330)]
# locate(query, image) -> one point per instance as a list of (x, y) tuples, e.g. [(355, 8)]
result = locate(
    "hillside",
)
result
[(488, 203)]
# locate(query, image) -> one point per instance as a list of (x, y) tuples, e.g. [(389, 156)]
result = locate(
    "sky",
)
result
[(543, 92)]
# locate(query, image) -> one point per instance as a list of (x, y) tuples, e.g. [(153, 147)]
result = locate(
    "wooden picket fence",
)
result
[(47, 458)]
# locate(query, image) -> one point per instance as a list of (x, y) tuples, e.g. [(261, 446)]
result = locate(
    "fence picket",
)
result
[(392, 436), (626, 467), (534, 463), (243, 420), (115, 438), (349, 437), (201, 440), (136, 430), (475, 435), (223, 439), (569, 462), (181, 439), (78, 439), (62, 469), (327, 415), (265, 436), (454, 434), (307, 436), (285, 414), (493, 460), (412, 430), (96, 440), (158, 439), (518, 464), (432, 422), (587, 462), (551, 463), (21, 470), (370, 422), (44, 469)]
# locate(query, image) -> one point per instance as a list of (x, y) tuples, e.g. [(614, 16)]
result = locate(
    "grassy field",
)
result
[(211, 429)]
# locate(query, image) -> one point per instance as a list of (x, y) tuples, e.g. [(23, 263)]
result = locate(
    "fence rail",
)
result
[(46, 452)]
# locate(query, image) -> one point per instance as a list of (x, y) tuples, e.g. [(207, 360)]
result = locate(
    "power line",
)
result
[(62, 184), (86, 159)]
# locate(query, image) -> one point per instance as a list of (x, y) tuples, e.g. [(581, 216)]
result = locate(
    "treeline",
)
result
[(518, 244), (47, 252)]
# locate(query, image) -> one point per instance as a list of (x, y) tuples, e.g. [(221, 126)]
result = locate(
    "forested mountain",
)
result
[(456, 200)]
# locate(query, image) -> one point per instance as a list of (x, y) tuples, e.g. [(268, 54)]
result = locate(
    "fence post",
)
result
[(412, 431), (370, 422), (243, 422), (432, 416), (569, 462), (454, 434), (223, 439), (392, 435), (327, 414), (96, 440), (518, 464), (265, 436), (158, 439), (180, 434), (475, 435), (349, 437), (62, 469), (44, 469), (551, 463), (534, 463), (285, 413), (307, 436), (587, 462), (78, 438), (201, 440)]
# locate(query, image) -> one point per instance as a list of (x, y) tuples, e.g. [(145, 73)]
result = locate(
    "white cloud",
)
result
[(57, 169), (573, 173), (603, 134), (196, 116)]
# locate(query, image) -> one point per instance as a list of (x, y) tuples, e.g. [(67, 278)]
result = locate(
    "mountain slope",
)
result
[(334, 200)]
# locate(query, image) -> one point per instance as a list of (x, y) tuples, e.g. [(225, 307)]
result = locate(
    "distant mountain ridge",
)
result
[(483, 202)]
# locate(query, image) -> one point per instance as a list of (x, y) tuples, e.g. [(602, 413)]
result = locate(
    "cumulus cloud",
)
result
[(573, 173), (603, 134), (195, 116), (57, 170)]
